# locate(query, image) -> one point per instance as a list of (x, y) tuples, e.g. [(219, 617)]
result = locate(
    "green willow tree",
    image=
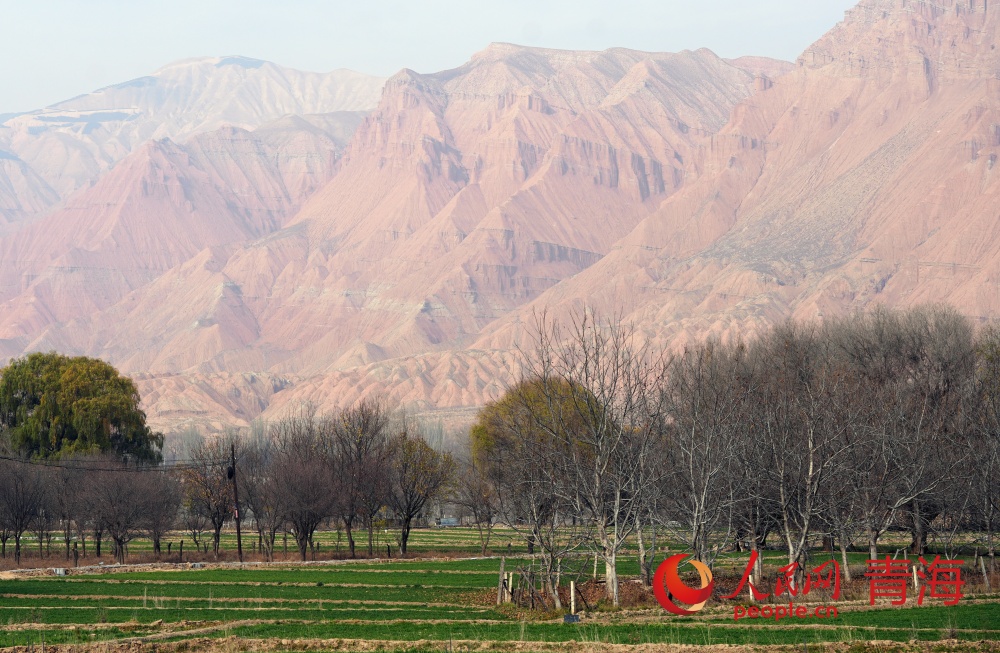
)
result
[(524, 443), (53, 405)]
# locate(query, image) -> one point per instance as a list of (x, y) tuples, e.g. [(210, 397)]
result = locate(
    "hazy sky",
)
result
[(52, 50)]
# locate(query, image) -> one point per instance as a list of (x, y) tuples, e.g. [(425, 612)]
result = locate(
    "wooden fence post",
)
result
[(500, 582)]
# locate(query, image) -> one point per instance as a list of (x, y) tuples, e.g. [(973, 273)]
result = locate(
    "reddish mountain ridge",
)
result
[(865, 176), (691, 193), (47, 155), (156, 210), (464, 195)]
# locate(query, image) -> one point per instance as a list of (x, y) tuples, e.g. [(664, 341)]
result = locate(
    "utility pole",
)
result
[(236, 500)]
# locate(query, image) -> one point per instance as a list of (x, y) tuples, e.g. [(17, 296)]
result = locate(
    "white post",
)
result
[(572, 597), (916, 584)]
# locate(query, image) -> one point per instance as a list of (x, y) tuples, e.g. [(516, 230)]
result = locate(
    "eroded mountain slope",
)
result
[(868, 175)]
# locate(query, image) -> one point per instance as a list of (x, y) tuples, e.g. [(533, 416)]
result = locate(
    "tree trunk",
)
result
[(350, 535), (846, 569), (640, 542), (919, 545), (646, 556), (302, 542), (404, 535), (872, 544), (553, 591), (611, 575), (755, 545), (992, 548), (700, 542), (484, 539)]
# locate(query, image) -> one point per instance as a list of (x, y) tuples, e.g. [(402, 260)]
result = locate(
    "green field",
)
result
[(420, 604)]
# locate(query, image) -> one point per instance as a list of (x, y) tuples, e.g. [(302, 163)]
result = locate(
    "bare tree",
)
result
[(942, 362), (195, 523), (65, 483), (47, 513), (418, 474), (22, 491), (302, 473), (474, 492), (162, 502), (261, 493), (987, 442), (207, 490), (706, 403), (121, 499), (609, 393), (360, 460), (800, 427)]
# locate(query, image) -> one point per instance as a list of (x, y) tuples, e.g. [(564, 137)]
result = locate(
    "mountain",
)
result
[(694, 195), (244, 264), (464, 195), (22, 192), (154, 211), (866, 176), (71, 144)]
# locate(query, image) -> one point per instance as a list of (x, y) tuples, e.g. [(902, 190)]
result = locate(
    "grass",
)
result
[(413, 600)]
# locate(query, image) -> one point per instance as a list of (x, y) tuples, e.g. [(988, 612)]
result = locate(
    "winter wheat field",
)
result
[(442, 598)]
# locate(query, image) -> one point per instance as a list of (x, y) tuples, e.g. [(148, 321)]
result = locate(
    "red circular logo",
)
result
[(667, 579)]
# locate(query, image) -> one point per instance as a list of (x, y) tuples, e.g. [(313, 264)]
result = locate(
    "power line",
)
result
[(175, 466)]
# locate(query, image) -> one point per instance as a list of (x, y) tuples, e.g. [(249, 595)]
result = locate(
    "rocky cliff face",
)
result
[(694, 195), (865, 176), (468, 193), (23, 193), (465, 195), (70, 145), (158, 208)]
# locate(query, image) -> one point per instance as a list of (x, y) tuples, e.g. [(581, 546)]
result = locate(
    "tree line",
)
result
[(827, 434), (806, 435), (350, 467)]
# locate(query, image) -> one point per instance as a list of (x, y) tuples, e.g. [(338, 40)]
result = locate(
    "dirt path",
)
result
[(245, 600), (154, 644), (186, 566), (254, 583)]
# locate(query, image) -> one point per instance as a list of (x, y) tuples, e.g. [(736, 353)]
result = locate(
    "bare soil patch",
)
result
[(241, 645)]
